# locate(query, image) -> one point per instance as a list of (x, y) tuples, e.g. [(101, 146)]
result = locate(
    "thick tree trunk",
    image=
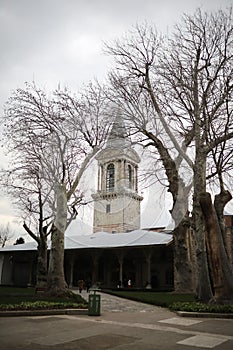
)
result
[(41, 280), (203, 289), (56, 277), (183, 269), (41, 273), (222, 277), (183, 262), (220, 202), (183, 257)]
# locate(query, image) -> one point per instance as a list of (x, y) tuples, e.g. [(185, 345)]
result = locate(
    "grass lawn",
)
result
[(155, 298), (26, 299), (173, 301)]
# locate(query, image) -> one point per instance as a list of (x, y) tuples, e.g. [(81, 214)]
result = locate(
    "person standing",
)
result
[(80, 285), (88, 285)]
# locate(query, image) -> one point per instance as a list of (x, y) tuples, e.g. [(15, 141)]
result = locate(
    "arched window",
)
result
[(110, 180), (130, 176)]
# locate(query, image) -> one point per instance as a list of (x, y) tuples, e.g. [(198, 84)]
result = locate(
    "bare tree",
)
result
[(59, 136), (31, 196), (178, 94), (137, 59), (6, 234)]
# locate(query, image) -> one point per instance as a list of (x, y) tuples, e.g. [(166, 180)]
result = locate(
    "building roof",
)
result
[(137, 238)]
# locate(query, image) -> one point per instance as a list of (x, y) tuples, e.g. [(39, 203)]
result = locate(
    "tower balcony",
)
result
[(116, 194)]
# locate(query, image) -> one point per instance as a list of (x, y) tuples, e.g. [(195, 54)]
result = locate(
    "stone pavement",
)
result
[(111, 303), (122, 325)]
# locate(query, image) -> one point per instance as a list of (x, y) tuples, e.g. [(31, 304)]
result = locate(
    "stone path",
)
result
[(111, 303), (122, 325)]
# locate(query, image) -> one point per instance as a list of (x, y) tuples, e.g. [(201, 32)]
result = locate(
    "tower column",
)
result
[(136, 179), (99, 178), (103, 182), (122, 174)]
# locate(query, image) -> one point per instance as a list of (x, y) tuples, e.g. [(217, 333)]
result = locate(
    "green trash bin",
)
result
[(94, 304)]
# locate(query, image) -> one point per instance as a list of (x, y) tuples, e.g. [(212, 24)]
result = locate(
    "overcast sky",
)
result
[(61, 41)]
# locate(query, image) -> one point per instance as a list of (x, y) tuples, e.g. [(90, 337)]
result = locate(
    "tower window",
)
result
[(130, 176), (110, 178), (108, 208)]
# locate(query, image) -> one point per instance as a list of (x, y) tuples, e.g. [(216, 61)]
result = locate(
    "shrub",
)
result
[(40, 305), (201, 307)]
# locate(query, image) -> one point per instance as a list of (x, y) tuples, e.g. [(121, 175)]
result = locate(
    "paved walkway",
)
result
[(123, 325), (111, 303)]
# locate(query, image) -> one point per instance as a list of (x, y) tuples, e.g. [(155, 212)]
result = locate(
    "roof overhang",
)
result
[(104, 240)]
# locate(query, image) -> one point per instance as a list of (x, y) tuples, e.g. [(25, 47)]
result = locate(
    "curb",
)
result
[(44, 312), (204, 314)]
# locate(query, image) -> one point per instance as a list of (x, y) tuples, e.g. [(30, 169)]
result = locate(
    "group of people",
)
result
[(84, 284), (127, 283)]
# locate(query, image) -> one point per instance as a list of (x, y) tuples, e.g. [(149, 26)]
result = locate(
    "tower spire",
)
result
[(118, 135)]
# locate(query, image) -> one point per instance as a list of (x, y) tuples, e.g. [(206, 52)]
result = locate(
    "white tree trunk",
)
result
[(56, 278)]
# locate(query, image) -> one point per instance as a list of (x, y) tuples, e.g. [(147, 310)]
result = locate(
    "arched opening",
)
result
[(130, 176), (110, 180)]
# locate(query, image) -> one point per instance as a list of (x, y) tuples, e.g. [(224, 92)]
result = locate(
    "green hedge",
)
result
[(201, 307), (27, 299), (40, 305)]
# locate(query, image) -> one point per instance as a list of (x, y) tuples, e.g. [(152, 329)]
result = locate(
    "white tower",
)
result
[(117, 202)]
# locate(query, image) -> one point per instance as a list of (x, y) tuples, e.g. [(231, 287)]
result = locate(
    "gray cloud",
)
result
[(52, 41)]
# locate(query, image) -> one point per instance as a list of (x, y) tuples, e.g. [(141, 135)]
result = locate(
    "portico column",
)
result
[(31, 272), (95, 270), (120, 257), (148, 261), (71, 272), (95, 261), (121, 270)]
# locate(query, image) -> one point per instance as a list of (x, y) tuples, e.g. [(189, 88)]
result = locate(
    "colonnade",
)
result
[(119, 256)]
